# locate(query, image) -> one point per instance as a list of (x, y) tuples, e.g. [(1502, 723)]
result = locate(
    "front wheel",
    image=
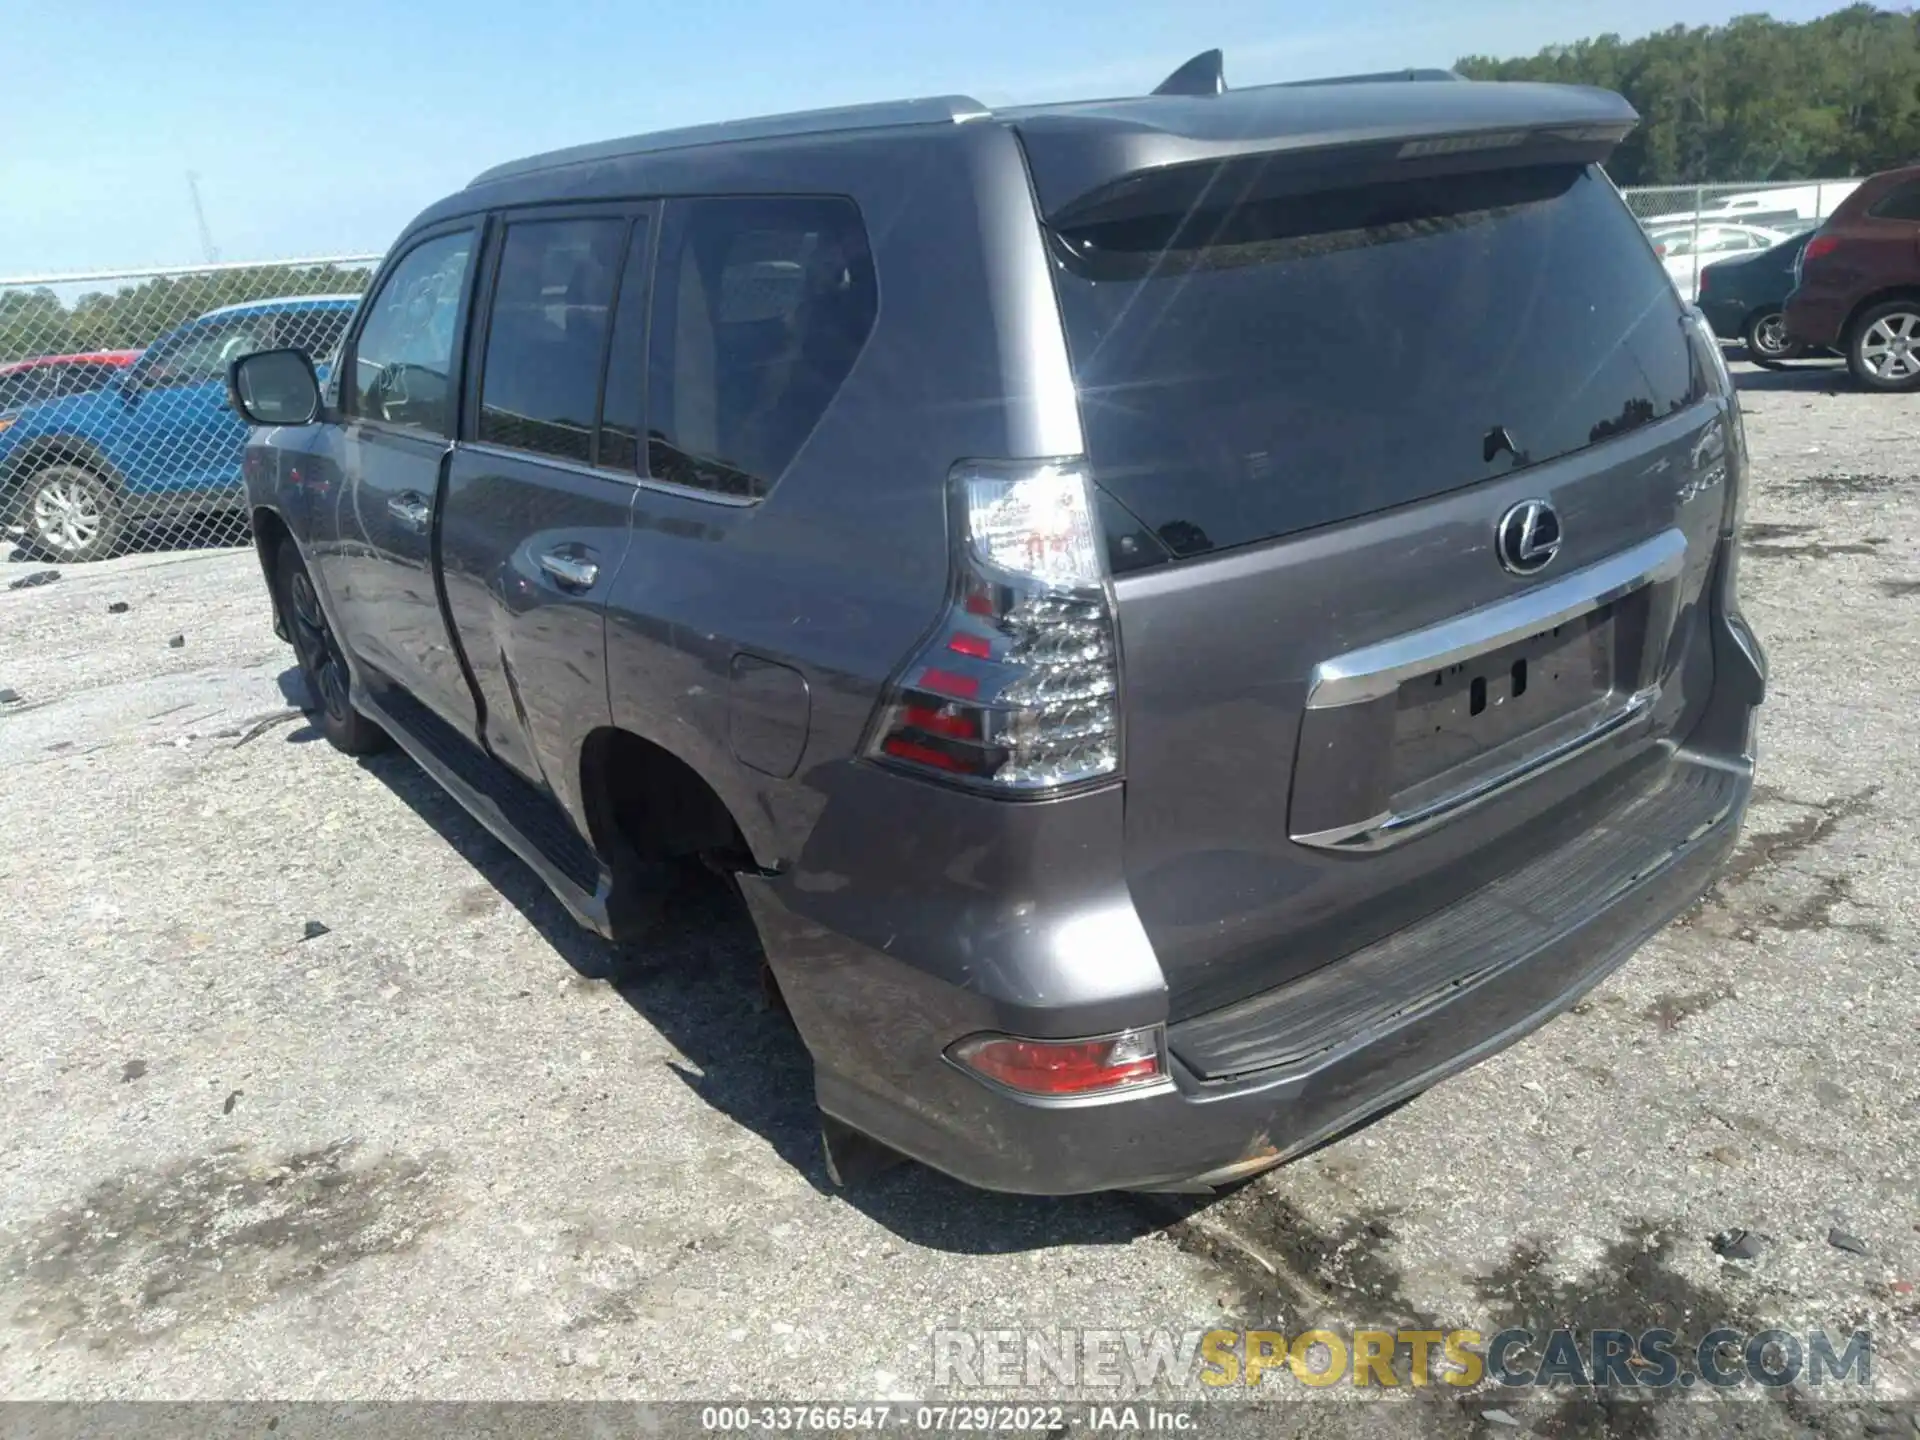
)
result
[(1768, 342), (70, 513), (1883, 350), (322, 662)]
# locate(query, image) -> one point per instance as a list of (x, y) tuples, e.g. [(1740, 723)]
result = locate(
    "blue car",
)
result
[(158, 444)]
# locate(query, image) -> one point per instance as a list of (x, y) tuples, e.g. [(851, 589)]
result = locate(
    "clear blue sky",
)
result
[(321, 128)]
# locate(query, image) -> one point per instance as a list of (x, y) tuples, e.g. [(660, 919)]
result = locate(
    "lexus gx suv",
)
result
[(1190, 618)]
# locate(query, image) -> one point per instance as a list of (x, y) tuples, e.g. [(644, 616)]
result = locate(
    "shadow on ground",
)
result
[(1826, 377), (698, 982)]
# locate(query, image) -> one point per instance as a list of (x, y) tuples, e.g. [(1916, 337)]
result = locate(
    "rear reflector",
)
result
[(1065, 1067)]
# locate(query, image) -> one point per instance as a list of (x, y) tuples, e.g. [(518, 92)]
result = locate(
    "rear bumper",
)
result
[(1269, 1077), (1814, 318)]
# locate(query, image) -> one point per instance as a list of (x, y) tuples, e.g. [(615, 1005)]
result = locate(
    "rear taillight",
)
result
[(1705, 276), (1065, 1067), (1017, 690), (1818, 246)]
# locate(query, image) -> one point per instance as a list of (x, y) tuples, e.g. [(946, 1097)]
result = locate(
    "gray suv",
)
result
[(1190, 618)]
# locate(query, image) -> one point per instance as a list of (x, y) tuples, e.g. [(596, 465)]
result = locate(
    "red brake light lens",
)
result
[(1820, 245), (1065, 1067)]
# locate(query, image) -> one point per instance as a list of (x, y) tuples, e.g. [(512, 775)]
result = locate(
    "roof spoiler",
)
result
[(1135, 159)]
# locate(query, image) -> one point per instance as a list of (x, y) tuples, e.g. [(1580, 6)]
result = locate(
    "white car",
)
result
[(1686, 249)]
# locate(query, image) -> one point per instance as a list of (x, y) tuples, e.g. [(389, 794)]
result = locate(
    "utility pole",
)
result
[(207, 248)]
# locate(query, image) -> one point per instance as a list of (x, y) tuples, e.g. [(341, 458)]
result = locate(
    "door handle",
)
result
[(411, 510), (569, 572)]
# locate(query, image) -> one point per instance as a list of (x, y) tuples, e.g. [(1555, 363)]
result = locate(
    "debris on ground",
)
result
[(118, 607), (1841, 1240), (132, 1071), (1740, 1244), (9, 697), (266, 723), (232, 1100), (315, 930), (178, 642), (38, 577)]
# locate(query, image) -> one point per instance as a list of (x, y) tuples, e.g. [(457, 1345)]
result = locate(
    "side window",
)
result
[(202, 354), (83, 378), (403, 358), (1900, 203), (760, 308), (540, 381)]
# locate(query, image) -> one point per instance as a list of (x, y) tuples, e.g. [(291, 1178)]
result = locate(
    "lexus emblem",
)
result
[(1527, 537)]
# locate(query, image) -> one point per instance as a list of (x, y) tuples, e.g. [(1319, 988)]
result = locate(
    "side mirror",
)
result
[(274, 387)]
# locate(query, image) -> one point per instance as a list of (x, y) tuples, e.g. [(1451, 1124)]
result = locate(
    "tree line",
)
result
[(1757, 99), (36, 322)]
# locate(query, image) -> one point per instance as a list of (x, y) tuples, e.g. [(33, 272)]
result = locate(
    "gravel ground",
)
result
[(312, 1092)]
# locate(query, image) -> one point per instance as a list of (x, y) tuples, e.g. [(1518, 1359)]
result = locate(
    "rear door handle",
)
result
[(411, 510), (569, 572)]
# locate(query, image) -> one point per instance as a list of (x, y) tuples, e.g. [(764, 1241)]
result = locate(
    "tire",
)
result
[(70, 513), (323, 664), (1883, 347), (1768, 343)]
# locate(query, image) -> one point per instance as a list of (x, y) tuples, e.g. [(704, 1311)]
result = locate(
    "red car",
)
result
[(48, 377), (1858, 287)]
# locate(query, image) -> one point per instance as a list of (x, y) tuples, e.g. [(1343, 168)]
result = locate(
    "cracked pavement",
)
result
[(435, 1151)]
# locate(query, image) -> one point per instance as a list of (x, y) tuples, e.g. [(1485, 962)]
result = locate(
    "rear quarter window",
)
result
[(1274, 366), (760, 308)]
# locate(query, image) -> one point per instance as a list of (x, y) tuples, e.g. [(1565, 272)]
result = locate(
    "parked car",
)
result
[(1745, 298), (49, 377), (1858, 288), (1684, 249), (157, 441), (1145, 749)]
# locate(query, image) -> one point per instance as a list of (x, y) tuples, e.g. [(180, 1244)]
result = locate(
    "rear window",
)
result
[(1254, 371), (1902, 203)]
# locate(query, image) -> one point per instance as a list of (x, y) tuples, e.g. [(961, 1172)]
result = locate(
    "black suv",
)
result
[(1191, 618)]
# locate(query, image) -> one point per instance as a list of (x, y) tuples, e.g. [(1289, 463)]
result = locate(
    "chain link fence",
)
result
[(115, 434)]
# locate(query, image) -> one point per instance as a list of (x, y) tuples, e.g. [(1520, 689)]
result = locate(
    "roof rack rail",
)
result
[(1204, 74), (1381, 77), (941, 109)]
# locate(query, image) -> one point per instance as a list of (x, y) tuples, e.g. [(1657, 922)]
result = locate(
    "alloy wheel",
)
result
[(319, 652), (67, 513), (1890, 350), (1770, 335)]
